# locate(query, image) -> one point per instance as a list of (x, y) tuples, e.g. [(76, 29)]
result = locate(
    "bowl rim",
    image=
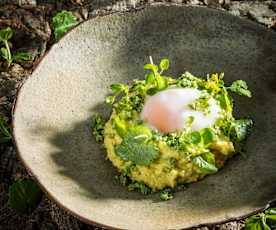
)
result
[(98, 17)]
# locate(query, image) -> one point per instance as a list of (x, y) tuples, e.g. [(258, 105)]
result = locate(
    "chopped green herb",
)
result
[(24, 196), (141, 187), (166, 194), (62, 22), (187, 80), (239, 129), (201, 104), (98, 128)]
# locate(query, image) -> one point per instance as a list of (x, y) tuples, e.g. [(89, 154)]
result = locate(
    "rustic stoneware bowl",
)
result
[(52, 115)]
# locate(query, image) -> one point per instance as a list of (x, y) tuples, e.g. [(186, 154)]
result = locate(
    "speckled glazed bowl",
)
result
[(53, 112)]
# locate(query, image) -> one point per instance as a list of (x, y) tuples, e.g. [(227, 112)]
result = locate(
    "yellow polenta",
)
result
[(170, 168)]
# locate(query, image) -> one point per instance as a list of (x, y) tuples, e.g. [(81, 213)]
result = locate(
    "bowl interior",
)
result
[(54, 107)]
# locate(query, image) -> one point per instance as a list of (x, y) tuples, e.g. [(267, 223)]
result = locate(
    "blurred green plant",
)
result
[(5, 52), (62, 22), (5, 130), (24, 196), (262, 221)]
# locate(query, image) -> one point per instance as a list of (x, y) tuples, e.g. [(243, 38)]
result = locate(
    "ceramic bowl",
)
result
[(52, 114)]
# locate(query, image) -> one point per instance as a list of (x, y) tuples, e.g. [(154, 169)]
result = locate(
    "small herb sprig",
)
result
[(154, 79), (98, 127), (6, 35), (262, 221)]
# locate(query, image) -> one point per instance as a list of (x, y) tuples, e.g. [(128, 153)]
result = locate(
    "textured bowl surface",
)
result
[(53, 112)]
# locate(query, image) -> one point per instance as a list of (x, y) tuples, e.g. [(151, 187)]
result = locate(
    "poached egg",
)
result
[(168, 111)]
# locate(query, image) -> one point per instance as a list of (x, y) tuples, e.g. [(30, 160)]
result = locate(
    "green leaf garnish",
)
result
[(152, 67), (62, 22), (239, 129), (225, 101), (110, 100), (201, 104), (240, 87), (141, 187), (133, 148), (120, 126), (166, 194), (194, 137), (204, 165), (164, 64), (208, 135), (118, 88), (98, 127), (161, 83), (150, 78), (24, 196)]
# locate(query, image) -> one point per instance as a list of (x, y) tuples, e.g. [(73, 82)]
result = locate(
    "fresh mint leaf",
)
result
[(204, 166), (166, 194), (24, 196), (98, 127), (6, 34), (133, 148), (62, 22), (22, 56), (164, 64), (240, 87)]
